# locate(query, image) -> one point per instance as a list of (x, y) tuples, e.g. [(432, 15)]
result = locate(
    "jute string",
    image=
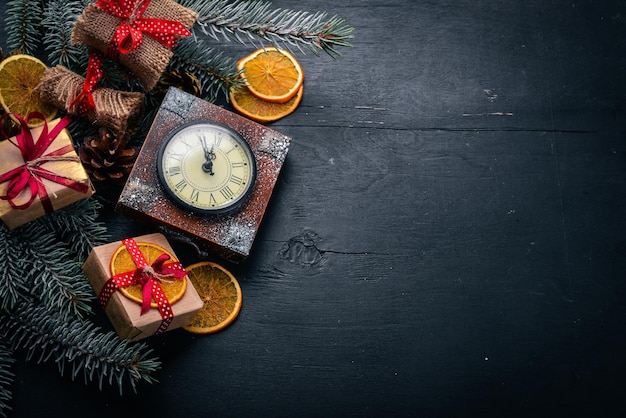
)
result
[(118, 110)]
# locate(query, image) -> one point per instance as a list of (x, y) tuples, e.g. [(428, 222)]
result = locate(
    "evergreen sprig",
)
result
[(80, 347), (6, 377), (54, 275), (214, 69), (45, 299), (254, 21), (78, 226), (58, 21), (11, 291), (42, 259), (24, 19)]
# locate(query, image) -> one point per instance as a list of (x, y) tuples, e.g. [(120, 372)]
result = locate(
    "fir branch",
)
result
[(253, 21), (6, 376), (22, 25), (215, 71), (58, 22), (80, 347), (12, 286), (55, 278), (78, 225)]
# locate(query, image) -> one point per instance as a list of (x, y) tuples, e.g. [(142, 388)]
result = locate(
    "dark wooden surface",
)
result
[(447, 237)]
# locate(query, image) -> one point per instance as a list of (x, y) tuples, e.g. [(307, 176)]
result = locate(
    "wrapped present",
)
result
[(142, 287), (40, 172), (139, 34), (118, 110)]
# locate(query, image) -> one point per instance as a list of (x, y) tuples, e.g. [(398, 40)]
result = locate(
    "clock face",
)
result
[(206, 167)]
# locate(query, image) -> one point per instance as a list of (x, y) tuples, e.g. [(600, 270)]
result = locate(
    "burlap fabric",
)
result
[(118, 110), (95, 28)]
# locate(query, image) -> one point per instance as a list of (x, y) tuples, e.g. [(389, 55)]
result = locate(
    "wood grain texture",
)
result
[(446, 237)]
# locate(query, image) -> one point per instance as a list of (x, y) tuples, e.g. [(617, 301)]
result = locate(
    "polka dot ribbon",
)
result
[(84, 101), (129, 33), (31, 174), (149, 277)]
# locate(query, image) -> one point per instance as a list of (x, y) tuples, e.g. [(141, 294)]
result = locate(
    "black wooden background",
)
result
[(447, 237)]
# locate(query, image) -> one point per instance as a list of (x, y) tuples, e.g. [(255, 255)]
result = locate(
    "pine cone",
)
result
[(106, 158), (184, 80), (9, 127)]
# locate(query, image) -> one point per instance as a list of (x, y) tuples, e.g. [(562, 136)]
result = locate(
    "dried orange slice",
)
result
[(121, 262), (221, 294), (261, 110), (272, 74), (19, 75)]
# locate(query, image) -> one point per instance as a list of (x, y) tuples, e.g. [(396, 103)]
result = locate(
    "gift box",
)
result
[(40, 172), (152, 313), (118, 110), (139, 34)]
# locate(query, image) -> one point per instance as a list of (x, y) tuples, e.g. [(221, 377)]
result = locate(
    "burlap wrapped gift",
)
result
[(118, 110), (124, 30)]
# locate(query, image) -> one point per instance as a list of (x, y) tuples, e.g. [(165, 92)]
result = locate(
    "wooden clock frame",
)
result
[(229, 236)]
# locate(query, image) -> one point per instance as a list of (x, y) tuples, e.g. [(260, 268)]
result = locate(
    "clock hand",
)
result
[(209, 156), (205, 147)]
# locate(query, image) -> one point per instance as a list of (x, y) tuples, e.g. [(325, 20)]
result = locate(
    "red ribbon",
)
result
[(129, 33), (30, 175), (148, 276), (84, 102)]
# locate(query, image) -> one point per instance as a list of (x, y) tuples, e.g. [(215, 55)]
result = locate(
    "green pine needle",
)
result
[(79, 226), (254, 21), (53, 273), (6, 377), (215, 70), (13, 289), (80, 348), (58, 21), (22, 25)]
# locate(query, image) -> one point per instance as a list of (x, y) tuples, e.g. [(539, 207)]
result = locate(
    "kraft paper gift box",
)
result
[(41, 168), (124, 313)]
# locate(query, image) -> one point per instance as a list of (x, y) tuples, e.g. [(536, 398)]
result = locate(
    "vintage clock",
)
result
[(205, 175), (206, 167)]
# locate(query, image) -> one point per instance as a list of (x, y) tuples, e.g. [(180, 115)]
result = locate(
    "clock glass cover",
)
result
[(206, 167)]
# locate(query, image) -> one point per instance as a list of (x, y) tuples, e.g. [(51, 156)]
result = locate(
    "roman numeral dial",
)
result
[(207, 167)]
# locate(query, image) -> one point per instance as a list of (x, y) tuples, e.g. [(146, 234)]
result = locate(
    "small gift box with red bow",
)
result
[(139, 34), (142, 286), (40, 172)]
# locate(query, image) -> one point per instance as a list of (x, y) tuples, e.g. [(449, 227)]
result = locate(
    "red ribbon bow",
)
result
[(129, 33), (84, 101), (148, 276), (30, 175)]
